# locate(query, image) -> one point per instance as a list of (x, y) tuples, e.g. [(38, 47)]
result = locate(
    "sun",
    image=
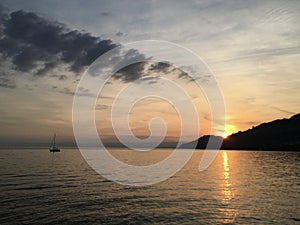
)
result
[(229, 130), (225, 135)]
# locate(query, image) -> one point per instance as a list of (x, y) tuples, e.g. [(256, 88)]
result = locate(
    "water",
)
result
[(238, 188)]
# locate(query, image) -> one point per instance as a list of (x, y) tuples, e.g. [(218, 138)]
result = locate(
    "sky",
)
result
[(251, 47)]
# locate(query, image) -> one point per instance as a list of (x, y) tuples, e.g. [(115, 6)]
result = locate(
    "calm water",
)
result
[(238, 188)]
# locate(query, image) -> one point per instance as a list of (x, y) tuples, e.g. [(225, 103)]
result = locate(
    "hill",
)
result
[(282, 134)]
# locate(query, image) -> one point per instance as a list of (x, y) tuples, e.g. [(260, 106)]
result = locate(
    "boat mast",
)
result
[(54, 140)]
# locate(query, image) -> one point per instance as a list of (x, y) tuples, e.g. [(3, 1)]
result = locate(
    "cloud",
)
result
[(169, 68), (119, 34), (60, 77), (146, 69), (160, 66), (36, 45), (126, 70), (80, 92), (131, 72), (259, 54), (283, 110), (102, 107), (33, 43), (39, 46), (149, 79), (7, 83)]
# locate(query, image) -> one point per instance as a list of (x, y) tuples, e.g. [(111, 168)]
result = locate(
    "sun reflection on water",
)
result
[(227, 183), (229, 213)]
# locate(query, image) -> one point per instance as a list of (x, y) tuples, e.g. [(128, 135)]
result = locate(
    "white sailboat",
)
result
[(53, 147)]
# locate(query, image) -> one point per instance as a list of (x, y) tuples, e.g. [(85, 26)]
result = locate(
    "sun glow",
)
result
[(230, 129), (225, 135)]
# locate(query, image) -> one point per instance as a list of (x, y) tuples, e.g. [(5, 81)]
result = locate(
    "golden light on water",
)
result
[(229, 214), (225, 161), (227, 183)]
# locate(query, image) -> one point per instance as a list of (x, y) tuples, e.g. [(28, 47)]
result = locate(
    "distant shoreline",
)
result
[(123, 148)]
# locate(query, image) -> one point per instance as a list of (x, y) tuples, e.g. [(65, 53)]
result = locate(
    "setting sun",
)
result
[(225, 135), (230, 129)]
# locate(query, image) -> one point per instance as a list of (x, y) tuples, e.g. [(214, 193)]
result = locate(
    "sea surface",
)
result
[(240, 187)]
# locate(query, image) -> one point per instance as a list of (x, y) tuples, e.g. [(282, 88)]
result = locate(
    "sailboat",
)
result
[(53, 148)]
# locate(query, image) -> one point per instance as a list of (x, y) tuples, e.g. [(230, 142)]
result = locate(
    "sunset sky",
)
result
[(252, 48)]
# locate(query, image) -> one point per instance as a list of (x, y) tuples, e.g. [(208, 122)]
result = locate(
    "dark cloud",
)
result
[(3, 11), (48, 66), (34, 43), (131, 72), (168, 68), (145, 67), (161, 66)]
